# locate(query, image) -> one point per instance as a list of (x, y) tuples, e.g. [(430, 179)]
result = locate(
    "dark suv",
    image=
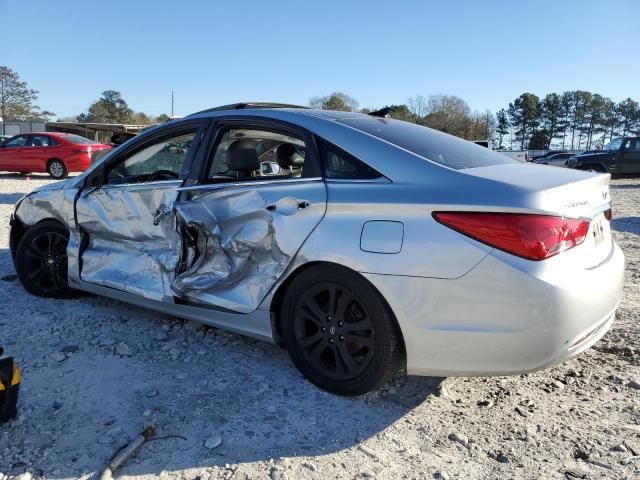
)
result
[(621, 156)]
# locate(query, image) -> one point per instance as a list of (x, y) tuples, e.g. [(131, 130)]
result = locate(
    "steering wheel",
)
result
[(162, 173)]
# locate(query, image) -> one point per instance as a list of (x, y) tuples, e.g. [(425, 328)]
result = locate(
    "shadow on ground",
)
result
[(626, 224), (10, 198), (82, 409)]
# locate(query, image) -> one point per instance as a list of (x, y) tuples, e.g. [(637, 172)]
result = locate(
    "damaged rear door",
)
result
[(259, 196), (129, 236)]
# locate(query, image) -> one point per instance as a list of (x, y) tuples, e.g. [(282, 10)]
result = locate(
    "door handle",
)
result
[(162, 211), (288, 206)]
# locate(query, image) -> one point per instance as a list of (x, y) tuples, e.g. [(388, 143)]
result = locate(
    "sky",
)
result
[(380, 52)]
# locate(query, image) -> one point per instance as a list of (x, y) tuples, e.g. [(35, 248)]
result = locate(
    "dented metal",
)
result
[(242, 241), (52, 201), (127, 244)]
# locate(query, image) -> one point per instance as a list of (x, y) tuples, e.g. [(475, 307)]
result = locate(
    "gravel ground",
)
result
[(96, 371)]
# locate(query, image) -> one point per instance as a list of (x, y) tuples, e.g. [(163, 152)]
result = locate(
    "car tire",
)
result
[(41, 261), (592, 168), (57, 169), (339, 331)]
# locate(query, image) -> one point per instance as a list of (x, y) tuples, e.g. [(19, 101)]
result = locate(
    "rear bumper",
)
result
[(502, 319), (78, 163)]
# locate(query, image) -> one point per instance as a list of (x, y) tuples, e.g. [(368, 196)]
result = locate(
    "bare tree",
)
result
[(16, 99), (418, 106)]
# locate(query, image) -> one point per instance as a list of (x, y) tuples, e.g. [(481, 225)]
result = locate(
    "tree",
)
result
[(401, 112), (629, 115), (17, 100), (140, 118), (566, 101), (449, 114), (538, 140), (336, 101), (523, 115), (502, 127), (418, 106), (551, 118), (163, 117), (110, 108)]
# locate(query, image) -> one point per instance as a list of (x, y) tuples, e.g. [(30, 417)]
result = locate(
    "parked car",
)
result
[(51, 152), (555, 160), (621, 156), (546, 155), (379, 244), (519, 155)]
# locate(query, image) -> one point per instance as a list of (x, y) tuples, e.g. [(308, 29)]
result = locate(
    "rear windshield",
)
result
[(78, 139), (436, 146)]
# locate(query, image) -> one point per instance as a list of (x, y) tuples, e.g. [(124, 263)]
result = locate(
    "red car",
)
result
[(51, 152)]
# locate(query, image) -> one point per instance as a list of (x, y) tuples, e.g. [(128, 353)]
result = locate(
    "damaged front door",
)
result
[(129, 237), (242, 228)]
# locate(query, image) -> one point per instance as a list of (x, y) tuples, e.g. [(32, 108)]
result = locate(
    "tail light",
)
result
[(608, 214), (534, 237), (526, 156), (78, 152)]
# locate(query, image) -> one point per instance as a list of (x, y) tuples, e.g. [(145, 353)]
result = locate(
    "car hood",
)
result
[(59, 185), (594, 154)]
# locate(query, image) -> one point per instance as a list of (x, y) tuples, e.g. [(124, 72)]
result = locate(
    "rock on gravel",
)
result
[(213, 442)]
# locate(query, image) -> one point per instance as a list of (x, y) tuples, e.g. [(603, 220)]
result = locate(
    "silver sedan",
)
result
[(360, 243)]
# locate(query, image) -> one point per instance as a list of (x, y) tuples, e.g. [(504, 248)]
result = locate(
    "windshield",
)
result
[(78, 139), (614, 144), (436, 146)]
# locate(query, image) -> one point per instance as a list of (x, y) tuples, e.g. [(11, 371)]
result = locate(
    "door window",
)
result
[(40, 141), (19, 141), (246, 154), (632, 145), (339, 164), (162, 160)]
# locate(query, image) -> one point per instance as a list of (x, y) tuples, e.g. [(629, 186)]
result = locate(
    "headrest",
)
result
[(242, 156), (287, 156)]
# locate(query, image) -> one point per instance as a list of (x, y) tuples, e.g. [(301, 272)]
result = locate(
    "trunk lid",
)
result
[(563, 192)]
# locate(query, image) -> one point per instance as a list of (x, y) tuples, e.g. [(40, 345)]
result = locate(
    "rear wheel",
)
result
[(41, 260), (57, 169), (339, 331)]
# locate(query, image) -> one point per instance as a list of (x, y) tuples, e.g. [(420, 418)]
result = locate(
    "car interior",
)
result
[(255, 154), (159, 161)]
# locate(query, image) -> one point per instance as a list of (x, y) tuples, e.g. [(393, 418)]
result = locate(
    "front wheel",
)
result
[(41, 260), (57, 169), (339, 331)]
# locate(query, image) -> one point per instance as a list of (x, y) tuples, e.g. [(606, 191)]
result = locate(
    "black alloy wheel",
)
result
[(339, 330), (41, 260)]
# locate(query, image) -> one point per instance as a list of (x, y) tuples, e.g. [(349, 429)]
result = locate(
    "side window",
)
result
[(339, 164), (19, 141), (40, 141), (162, 160), (249, 154)]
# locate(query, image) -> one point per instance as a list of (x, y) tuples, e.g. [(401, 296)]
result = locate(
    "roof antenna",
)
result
[(383, 112)]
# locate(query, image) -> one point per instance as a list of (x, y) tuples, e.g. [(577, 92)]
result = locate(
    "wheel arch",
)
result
[(598, 166), (278, 297), (19, 229)]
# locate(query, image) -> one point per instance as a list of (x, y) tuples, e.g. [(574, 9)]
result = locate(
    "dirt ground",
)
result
[(96, 371)]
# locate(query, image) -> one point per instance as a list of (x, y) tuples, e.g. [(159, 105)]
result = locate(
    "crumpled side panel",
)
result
[(48, 203), (52, 202), (126, 250), (238, 258)]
